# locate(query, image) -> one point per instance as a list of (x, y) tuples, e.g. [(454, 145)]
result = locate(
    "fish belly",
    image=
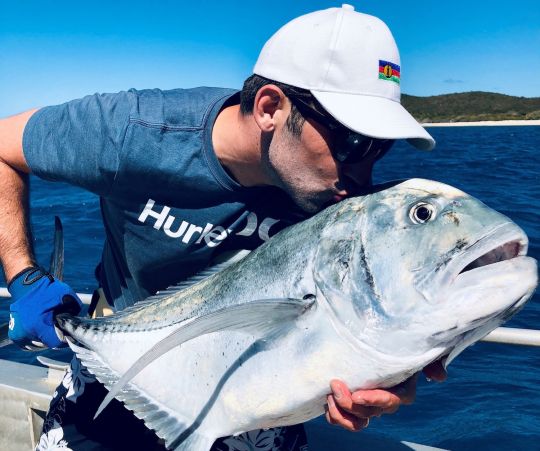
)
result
[(230, 382)]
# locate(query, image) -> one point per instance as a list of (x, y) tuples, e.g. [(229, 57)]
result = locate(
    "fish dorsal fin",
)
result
[(252, 317), (220, 265)]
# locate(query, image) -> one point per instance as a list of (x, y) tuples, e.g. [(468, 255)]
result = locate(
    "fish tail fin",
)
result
[(56, 267)]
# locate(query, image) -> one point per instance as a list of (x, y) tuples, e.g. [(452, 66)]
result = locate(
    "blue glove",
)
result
[(37, 297)]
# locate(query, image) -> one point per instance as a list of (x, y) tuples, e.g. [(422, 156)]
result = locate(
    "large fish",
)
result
[(370, 291)]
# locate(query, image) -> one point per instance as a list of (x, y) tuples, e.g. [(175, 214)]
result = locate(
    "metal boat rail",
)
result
[(85, 297), (514, 336), (506, 335)]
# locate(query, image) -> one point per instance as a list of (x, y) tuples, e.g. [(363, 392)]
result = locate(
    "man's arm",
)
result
[(77, 142), (35, 294), (16, 251)]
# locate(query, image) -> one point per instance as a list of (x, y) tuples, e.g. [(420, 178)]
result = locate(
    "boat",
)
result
[(26, 390)]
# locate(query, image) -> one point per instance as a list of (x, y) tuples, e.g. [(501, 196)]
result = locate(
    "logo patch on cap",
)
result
[(389, 71)]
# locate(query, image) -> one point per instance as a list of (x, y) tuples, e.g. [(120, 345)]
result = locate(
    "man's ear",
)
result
[(270, 106)]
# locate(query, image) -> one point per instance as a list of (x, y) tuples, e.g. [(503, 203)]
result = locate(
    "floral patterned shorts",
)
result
[(69, 424)]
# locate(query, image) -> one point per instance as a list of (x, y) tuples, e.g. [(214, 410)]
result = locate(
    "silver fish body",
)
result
[(373, 288)]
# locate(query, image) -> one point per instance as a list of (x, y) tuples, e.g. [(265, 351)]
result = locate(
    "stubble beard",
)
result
[(284, 169)]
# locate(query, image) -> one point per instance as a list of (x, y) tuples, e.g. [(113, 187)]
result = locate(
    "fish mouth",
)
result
[(504, 243), (486, 281), (499, 253), (490, 281)]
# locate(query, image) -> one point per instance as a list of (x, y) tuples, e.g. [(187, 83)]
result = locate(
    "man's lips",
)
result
[(341, 193)]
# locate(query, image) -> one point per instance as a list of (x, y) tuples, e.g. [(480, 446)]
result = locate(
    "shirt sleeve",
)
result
[(79, 142)]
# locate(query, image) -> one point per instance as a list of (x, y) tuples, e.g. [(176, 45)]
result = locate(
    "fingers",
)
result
[(345, 401), (385, 400), (344, 411), (353, 410), (338, 416), (69, 305)]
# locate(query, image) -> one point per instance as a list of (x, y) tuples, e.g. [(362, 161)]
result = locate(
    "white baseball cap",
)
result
[(350, 63)]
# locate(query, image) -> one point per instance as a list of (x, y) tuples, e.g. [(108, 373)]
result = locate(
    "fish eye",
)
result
[(422, 212)]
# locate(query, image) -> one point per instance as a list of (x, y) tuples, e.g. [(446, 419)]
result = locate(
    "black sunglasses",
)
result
[(348, 147)]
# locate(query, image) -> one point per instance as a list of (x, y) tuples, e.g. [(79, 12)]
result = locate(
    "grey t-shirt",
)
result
[(168, 206)]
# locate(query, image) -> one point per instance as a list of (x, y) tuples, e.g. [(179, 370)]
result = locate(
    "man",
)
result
[(187, 175)]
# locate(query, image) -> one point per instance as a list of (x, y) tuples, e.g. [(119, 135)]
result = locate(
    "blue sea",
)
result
[(491, 399)]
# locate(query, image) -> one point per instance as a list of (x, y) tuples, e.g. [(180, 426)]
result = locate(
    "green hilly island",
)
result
[(471, 106)]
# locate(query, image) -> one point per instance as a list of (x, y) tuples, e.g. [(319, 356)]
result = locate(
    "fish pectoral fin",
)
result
[(193, 442), (260, 317)]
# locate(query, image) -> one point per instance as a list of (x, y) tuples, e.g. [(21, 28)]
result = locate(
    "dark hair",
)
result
[(295, 121)]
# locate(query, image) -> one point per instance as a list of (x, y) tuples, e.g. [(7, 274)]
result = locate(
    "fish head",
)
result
[(421, 269)]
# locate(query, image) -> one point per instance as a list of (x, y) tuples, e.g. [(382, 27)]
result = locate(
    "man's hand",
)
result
[(37, 297), (353, 410)]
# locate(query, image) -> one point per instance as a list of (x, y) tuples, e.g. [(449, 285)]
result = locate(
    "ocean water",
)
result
[(491, 398)]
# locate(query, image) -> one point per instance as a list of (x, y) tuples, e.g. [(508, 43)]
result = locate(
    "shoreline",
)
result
[(481, 123)]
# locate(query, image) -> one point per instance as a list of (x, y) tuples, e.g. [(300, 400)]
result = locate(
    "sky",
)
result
[(54, 51)]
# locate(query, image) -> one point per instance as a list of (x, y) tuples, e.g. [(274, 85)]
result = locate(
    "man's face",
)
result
[(305, 168)]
